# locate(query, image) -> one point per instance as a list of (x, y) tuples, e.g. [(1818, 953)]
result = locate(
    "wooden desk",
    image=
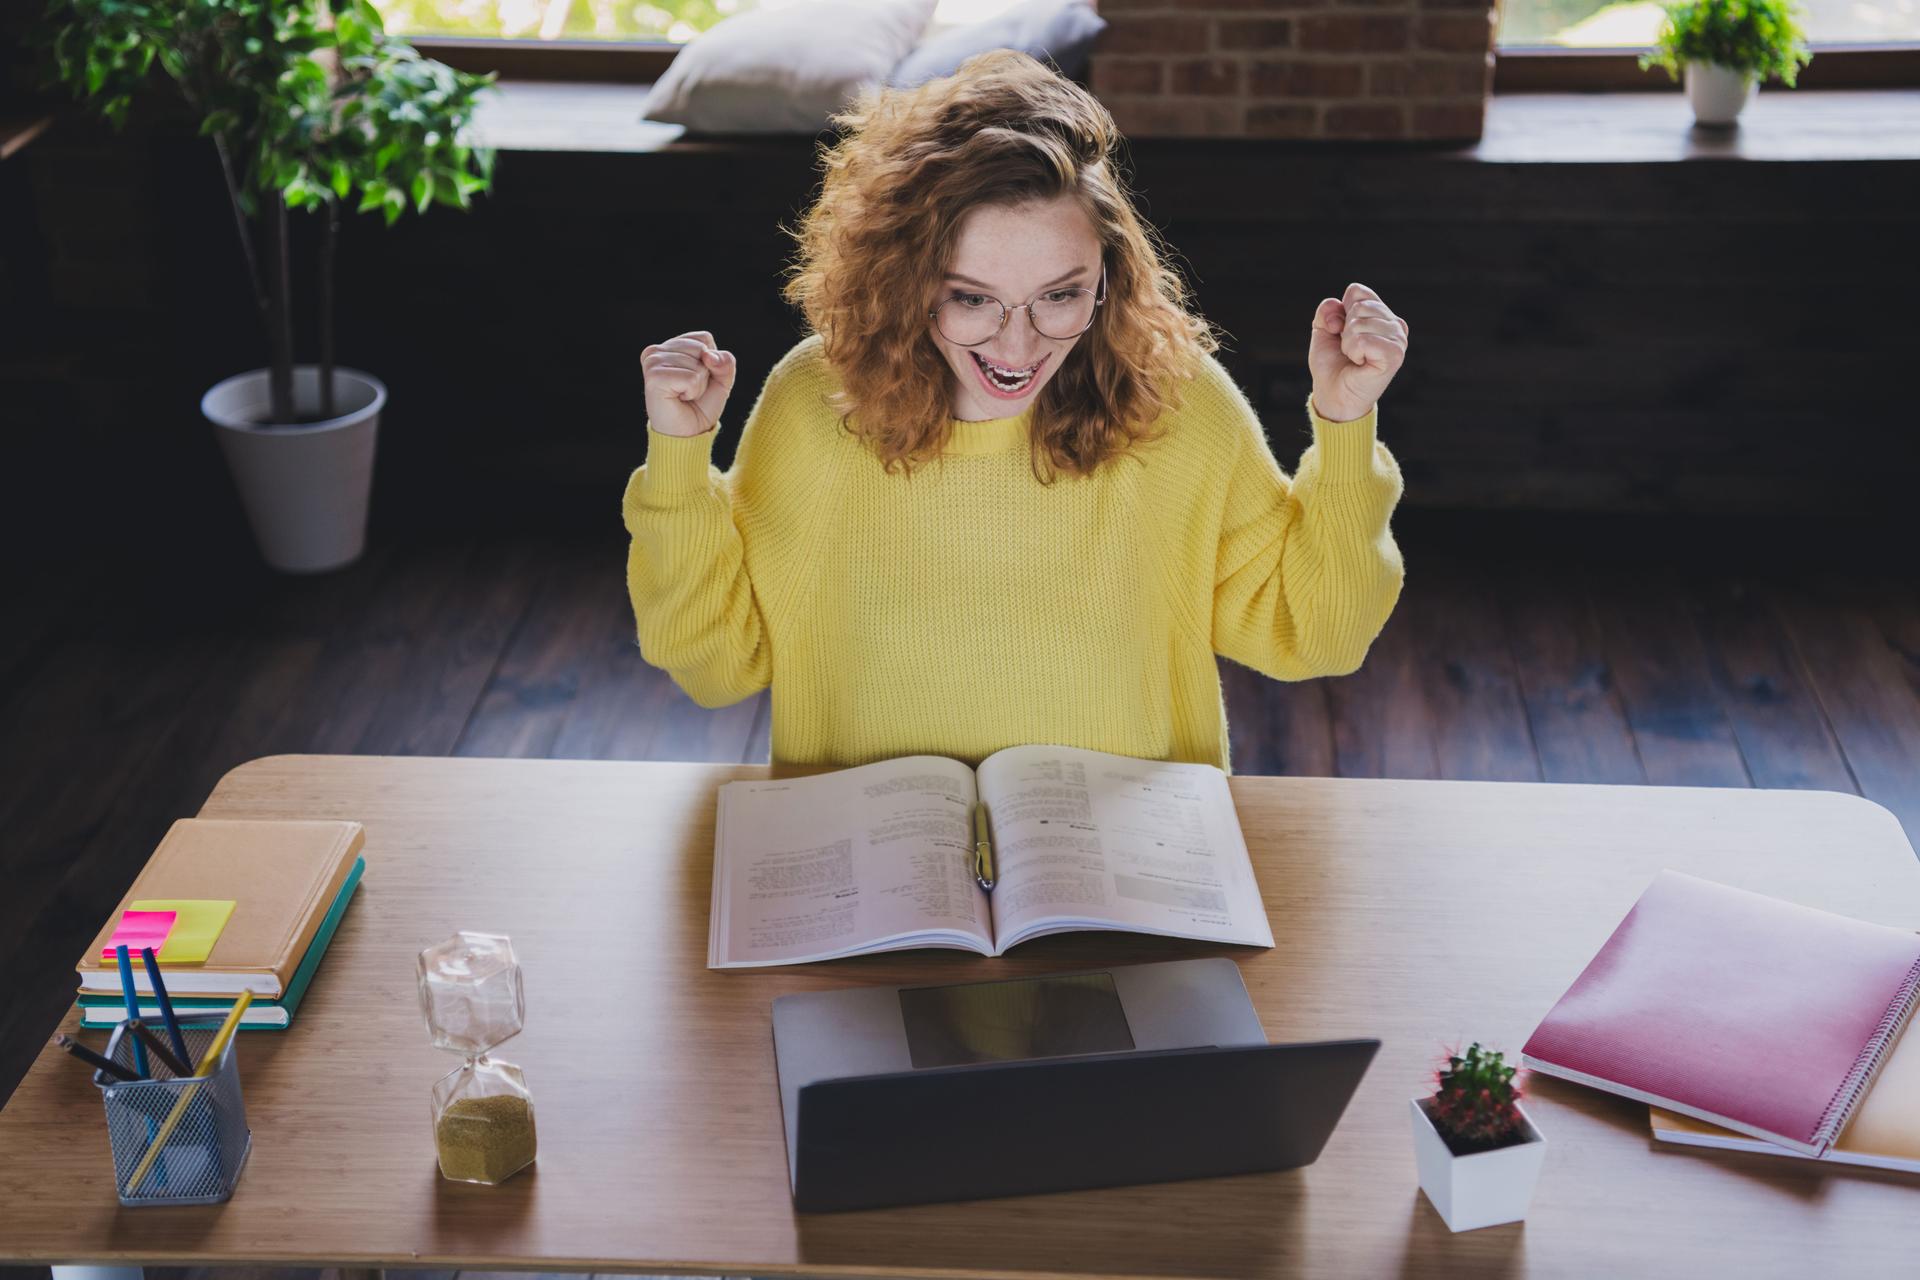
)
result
[(1419, 912)]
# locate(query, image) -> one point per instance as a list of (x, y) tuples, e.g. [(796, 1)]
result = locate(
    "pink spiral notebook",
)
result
[(1762, 1016)]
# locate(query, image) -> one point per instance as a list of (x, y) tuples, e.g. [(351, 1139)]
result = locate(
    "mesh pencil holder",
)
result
[(198, 1124)]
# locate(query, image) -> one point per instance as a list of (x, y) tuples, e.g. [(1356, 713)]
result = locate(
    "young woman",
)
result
[(1003, 493)]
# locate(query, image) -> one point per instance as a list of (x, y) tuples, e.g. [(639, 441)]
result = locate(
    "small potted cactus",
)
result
[(1478, 1152)]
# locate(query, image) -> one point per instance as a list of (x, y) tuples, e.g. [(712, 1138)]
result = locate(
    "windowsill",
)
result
[(569, 115), (1779, 124)]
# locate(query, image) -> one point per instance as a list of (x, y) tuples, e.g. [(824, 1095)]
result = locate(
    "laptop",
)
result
[(1063, 1081)]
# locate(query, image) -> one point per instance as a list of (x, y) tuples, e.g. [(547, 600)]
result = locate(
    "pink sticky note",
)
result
[(139, 929)]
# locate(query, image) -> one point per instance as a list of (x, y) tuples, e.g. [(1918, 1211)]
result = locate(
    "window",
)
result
[(1593, 46), (651, 21), (644, 21), (1635, 24), (1543, 45)]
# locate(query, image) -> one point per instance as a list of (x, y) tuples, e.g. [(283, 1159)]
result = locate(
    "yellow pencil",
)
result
[(207, 1059)]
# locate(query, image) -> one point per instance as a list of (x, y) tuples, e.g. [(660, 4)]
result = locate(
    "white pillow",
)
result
[(783, 70), (1063, 30)]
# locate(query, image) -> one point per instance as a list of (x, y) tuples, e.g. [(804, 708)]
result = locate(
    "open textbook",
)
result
[(880, 857)]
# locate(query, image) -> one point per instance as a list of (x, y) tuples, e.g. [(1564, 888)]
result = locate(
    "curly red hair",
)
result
[(1005, 130)]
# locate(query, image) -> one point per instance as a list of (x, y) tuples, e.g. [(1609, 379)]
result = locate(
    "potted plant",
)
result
[(1727, 48), (1479, 1154), (310, 105)]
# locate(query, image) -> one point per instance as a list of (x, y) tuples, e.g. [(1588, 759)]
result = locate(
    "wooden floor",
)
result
[(1624, 649)]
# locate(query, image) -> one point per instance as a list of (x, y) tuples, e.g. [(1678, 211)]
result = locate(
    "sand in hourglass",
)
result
[(485, 1139)]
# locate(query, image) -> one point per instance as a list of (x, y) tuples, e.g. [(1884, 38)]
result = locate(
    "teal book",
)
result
[(104, 1012)]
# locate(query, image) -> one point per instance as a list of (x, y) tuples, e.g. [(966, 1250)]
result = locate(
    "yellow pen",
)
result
[(205, 1065), (982, 849)]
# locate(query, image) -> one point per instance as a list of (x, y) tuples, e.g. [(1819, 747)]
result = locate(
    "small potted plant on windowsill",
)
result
[(1478, 1152), (309, 105), (1727, 48)]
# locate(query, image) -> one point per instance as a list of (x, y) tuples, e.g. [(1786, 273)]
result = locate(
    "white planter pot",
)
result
[(1718, 93), (1483, 1189), (305, 488)]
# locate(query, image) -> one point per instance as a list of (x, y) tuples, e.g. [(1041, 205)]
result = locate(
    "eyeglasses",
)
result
[(969, 319)]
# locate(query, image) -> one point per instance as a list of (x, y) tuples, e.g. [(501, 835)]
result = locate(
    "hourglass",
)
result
[(471, 994)]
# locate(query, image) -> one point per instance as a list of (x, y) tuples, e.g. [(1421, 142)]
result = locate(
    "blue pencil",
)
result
[(133, 1008), (139, 1050), (166, 1005)]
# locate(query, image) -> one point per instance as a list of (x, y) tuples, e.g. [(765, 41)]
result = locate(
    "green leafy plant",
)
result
[(1760, 36), (1473, 1101), (310, 105)]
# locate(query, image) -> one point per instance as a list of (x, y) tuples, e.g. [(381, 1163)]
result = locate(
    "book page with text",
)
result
[(1090, 840), (872, 858)]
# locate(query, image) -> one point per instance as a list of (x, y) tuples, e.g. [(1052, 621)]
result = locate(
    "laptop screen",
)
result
[(1014, 1019)]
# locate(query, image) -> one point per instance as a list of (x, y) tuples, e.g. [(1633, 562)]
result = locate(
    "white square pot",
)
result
[(1483, 1189)]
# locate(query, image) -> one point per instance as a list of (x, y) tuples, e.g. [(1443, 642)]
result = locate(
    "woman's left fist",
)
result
[(1358, 345)]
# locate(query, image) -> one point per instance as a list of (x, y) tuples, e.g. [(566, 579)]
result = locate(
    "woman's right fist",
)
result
[(688, 380)]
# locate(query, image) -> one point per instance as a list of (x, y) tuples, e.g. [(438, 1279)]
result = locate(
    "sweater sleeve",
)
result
[(1307, 570), (710, 553)]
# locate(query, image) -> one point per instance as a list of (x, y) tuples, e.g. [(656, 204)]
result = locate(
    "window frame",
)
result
[(1544, 69), (621, 62), (1527, 69)]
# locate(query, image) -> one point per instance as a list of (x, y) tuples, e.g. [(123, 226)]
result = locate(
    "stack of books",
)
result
[(1749, 1023), (289, 881)]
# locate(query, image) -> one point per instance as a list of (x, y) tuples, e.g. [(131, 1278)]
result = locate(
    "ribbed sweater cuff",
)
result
[(676, 465), (1345, 448)]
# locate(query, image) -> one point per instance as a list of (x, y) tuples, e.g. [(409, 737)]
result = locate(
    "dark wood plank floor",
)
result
[(1611, 649)]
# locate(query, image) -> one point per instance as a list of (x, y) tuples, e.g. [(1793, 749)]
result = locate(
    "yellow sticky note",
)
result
[(197, 923)]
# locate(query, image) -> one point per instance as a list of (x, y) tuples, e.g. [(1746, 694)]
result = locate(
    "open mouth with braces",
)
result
[(1002, 378)]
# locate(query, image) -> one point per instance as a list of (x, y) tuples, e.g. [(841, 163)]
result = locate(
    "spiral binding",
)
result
[(1868, 1063)]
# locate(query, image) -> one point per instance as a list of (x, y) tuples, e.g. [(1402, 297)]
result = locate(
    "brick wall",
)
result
[(1350, 69)]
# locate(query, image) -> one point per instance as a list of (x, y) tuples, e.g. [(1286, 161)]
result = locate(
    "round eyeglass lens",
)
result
[(972, 318)]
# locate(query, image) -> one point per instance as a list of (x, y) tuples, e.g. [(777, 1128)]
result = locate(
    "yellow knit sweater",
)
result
[(968, 607)]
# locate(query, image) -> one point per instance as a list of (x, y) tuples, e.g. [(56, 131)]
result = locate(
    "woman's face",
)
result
[(1014, 255)]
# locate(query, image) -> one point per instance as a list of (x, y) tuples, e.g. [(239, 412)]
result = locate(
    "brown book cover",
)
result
[(281, 874)]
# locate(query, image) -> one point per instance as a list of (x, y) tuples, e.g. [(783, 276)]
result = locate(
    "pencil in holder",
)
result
[(175, 1140)]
